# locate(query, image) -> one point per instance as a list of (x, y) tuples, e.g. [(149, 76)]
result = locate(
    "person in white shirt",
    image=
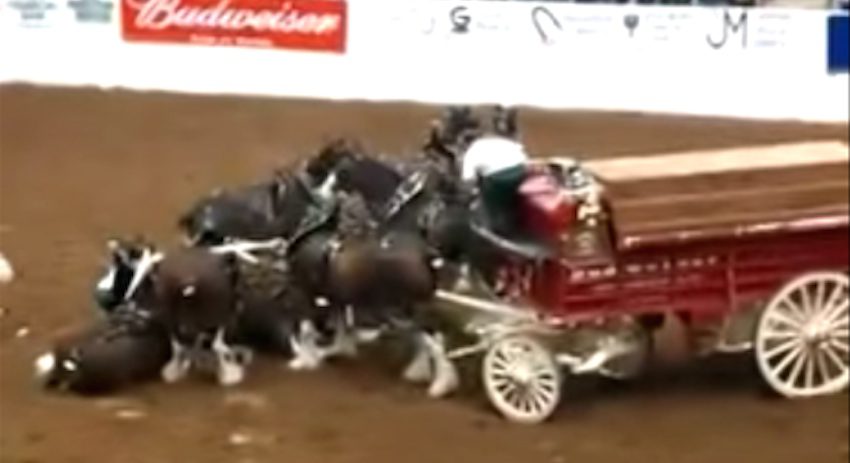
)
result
[(497, 165)]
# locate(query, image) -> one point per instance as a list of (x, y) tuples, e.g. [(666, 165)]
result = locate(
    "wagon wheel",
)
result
[(522, 379), (801, 344)]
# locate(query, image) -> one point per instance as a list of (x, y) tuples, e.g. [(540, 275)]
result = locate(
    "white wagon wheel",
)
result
[(801, 344), (522, 379)]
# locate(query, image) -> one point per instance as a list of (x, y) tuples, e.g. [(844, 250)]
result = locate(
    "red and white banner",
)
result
[(316, 25)]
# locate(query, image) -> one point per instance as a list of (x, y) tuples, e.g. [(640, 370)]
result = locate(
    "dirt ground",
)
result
[(79, 166)]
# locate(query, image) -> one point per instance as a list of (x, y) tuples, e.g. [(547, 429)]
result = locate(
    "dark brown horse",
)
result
[(191, 292), (122, 350), (372, 278)]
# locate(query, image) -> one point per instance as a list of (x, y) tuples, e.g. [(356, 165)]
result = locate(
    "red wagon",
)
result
[(747, 247)]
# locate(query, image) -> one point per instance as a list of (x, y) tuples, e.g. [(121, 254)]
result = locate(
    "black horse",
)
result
[(267, 209)]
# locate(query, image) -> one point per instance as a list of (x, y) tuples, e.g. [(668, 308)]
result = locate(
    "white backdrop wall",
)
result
[(752, 63)]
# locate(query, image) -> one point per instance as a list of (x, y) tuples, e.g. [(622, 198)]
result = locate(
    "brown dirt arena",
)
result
[(78, 166)]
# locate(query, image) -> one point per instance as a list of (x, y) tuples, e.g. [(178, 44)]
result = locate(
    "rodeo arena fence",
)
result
[(722, 60)]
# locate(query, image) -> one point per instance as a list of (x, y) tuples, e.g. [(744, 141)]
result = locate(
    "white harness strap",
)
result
[(243, 248), (143, 268)]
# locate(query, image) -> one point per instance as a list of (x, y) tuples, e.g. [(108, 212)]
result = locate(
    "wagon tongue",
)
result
[(485, 305)]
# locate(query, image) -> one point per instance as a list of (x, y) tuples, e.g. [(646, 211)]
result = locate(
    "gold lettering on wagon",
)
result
[(660, 266)]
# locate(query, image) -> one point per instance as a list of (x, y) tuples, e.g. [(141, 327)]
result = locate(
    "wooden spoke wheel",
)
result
[(522, 379), (801, 342)]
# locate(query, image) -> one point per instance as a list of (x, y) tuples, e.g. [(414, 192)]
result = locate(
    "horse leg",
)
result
[(420, 369), (305, 349), (230, 367), (446, 378), (344, 341), (178, 367)]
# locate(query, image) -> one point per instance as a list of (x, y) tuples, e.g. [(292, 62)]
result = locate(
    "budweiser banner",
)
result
[(318, 25)]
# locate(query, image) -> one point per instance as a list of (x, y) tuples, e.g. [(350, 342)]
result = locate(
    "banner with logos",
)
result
[(754, 63), (318, 25), (751, 62)]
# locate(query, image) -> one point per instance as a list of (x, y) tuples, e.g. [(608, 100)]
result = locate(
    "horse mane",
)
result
[(331, 153)]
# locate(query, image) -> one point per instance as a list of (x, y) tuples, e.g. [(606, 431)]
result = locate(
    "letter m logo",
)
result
[(729, 27)]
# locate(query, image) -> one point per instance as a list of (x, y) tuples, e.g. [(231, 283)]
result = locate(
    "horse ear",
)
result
[(511, 117), (433, 136)]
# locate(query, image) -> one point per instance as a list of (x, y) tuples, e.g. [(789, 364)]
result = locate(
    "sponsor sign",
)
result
[(751, 28), (554, 24), (315, 25), (34, 13), (417, 24), (838, 43), (92, 11)]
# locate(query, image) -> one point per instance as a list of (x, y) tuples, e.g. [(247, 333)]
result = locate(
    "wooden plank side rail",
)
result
[(711, 208), (698, 183), (726, 193), (721, 161)]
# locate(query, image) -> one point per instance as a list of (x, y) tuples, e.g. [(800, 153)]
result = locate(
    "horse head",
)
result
[(320, 168), (201, 224), (504, 122), (129, 263), (458, 127)]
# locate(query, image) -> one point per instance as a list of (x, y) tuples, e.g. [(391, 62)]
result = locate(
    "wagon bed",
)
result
[(728, 193)]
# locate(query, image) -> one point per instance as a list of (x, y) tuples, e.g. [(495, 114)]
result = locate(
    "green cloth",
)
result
[(500, 194)]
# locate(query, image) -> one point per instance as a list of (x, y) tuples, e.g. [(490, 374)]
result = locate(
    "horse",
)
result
[(417, 220), (425, 196), (190, 291), (124, 349), (266, 209), (363, 280), (272, 306)]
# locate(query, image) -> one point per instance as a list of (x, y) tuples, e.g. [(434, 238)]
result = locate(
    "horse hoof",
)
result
[(302, 364), (419, 371), (344, 345), (346, 351), (445, 382), (243, 356), (368, 336), (174, 371), (231, 375)]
